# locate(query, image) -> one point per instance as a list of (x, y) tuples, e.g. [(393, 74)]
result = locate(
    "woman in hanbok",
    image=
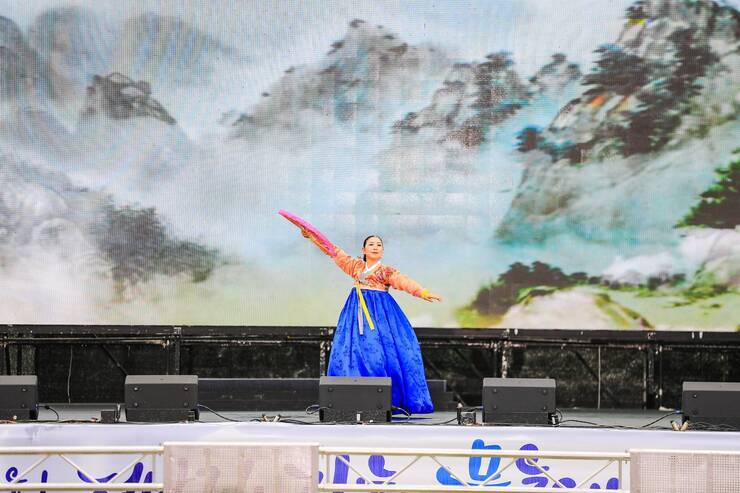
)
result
[(373, 336)]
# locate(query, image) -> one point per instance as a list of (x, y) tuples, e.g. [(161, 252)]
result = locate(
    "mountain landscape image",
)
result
[(577, 169)]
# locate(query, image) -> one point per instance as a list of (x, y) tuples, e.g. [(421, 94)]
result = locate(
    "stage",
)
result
[(260, 400), (571, 418), (605, 434)]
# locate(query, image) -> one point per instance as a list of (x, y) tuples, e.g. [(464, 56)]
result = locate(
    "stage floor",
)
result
[(586, 418)]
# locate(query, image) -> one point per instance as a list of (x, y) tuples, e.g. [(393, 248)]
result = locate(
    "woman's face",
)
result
[(373, 249)]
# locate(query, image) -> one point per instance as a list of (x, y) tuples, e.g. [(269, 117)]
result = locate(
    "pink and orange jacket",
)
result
[(379, 277)]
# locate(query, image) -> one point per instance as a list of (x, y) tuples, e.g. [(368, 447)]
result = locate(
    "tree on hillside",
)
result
[(636, 11), (505, 292), (617, 71), (529, 139), (652, 124), (137, 245), (663, 102), (720, 204), (693, 56), (487, 96)]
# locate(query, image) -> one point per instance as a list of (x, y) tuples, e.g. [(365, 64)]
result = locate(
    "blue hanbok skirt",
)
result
[(390, 350)]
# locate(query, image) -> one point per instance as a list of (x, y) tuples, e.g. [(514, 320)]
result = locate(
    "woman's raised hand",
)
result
[(433, 297)]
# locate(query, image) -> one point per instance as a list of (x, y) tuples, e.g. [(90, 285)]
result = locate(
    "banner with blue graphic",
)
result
[(473, 471)]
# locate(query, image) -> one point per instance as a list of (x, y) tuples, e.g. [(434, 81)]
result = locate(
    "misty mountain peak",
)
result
[(21, 71), (119, 97), (657, 111), (664, 81), (556, 75), (10, 34), (478, 95), (368, 71)]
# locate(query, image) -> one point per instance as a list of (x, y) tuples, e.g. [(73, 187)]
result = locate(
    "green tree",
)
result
[(662, 103), (720, 204), (652, 124), (693, 56), (505, 292), (489, 93), (617, 71)]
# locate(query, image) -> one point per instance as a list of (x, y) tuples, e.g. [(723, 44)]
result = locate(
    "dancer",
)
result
[(373, 337)]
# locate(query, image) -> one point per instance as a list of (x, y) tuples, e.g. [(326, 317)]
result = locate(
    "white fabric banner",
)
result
[(376, 468)]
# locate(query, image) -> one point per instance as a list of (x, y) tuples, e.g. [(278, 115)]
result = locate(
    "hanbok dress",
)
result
[(373, 336)]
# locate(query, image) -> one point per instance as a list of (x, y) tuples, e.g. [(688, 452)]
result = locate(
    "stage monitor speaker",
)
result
[(356, 399), (519, 400), (161, 398), (711, 403), (19, 397)]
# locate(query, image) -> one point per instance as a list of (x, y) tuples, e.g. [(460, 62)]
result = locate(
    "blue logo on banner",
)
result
[(134, 477), (479, 471), (376, 464), (531, 468), (12, 473), (475, 469), (537, 479)]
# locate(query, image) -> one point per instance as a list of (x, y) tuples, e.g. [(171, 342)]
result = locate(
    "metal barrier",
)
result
[(617, 461), (414, 455), (93, 484), (604, 460)]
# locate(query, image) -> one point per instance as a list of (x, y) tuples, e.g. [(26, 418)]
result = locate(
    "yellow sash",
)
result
[(363, 309)]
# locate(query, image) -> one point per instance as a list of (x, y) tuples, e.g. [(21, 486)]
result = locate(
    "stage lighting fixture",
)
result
[(519, 400), (356, 399), (161, 398), (19, 397), (711, 403)]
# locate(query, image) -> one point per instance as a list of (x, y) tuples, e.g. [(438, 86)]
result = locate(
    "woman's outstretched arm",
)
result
[(349, 264), (344, 261), (405, 283)]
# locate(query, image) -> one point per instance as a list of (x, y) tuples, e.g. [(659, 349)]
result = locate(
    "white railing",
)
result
[(415, 456), (604, 461), (64, 454)]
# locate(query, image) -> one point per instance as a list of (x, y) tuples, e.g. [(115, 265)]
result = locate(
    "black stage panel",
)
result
[(607, 369)]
